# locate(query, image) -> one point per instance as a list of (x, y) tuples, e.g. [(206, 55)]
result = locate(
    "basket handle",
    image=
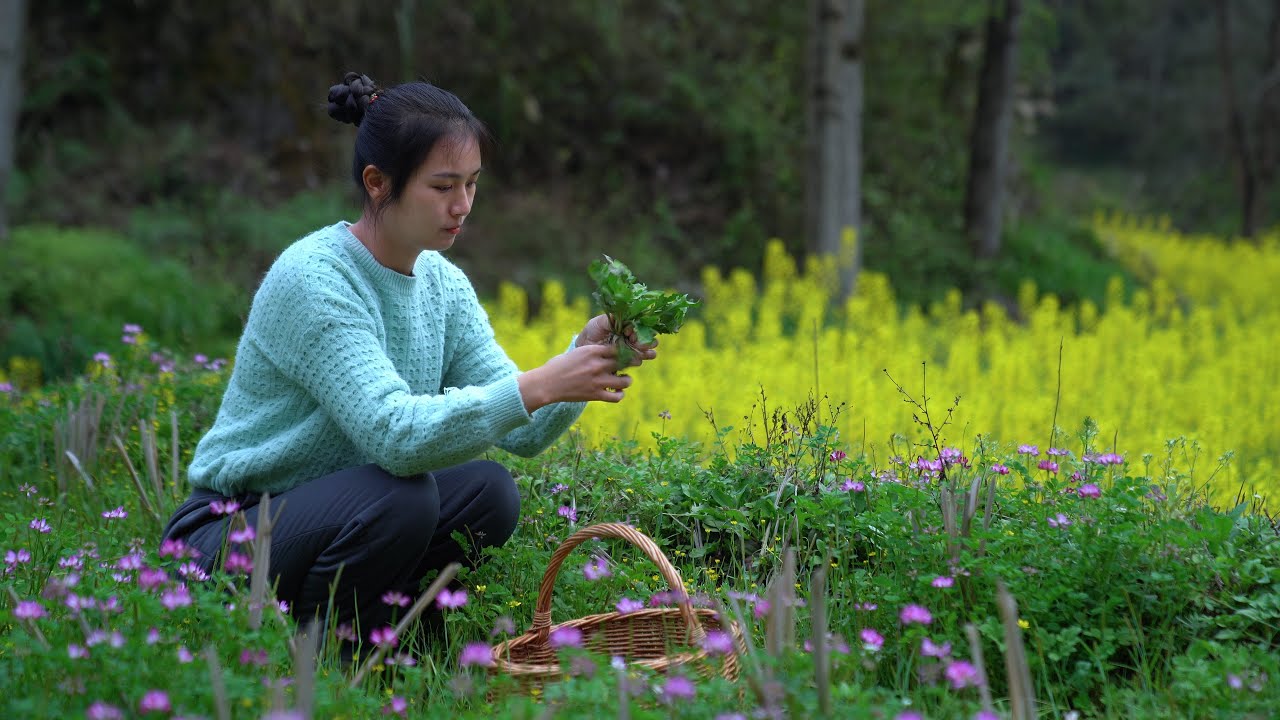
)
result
[(542, 612)]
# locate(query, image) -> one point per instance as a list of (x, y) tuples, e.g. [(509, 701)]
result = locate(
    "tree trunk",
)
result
[(1247, 171), (1267, 110), (13, 21), (989, 135), (834, 197)]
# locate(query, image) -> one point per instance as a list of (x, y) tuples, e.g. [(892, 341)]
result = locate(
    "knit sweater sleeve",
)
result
[(478, 360), (323, 339)]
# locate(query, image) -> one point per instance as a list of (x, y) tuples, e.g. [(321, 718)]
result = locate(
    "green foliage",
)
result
[(631, 305), (66, 293), (1137, 596)]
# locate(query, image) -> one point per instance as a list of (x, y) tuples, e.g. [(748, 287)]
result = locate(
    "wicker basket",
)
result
[(656, 639)]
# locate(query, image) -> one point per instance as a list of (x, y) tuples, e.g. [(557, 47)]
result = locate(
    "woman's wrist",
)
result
[(531, 391)]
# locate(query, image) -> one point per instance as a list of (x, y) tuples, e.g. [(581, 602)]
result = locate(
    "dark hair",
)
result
[(398, 127)]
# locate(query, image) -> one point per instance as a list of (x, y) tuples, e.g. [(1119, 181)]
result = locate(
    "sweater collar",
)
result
[(380, 275)]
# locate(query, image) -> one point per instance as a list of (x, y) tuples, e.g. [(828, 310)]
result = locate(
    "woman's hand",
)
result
[(583, 374), (598, 332)]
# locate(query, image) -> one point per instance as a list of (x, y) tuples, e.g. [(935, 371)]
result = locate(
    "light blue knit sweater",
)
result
[(345, 362)]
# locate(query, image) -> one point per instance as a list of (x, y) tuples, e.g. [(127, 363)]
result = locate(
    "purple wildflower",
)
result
[(451, 600), (41, 526), (344, 632), (569, 512), (102, 711), (397, 706), (175, 597), (249, 656), (567, 636), (384, 637), (224, 507), (77, 652), (155, 701), (1028, 449), (1089, 490), (961, 674), (1058, 452), (1059, 521), (118, 514), (558, 488), (1000, 469), (627, 605), (184, 655), (872, 641), (237, 563), (175, 549), (151, 578), (241, 535), (851, 485), (678, 687), (929, 648), (102, 359), (597, 568), (476, 653), (29, 610), (6, 388), (718, 642), (395, 598), (132, 329), (402, 659), (503, 626), (943, 581), (915, 614), (193, 571), (837, 455), (1048, 465)]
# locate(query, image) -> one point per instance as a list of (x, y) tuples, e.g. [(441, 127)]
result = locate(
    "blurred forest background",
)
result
[(163, 152)]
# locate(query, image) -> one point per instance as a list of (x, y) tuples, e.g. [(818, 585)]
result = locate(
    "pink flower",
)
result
[(1048, 465), (1059, 521), (249, 656), (153, 636), (1028, 449), (77, 652), (985, 715), (102, 711), (1089, 490), (132, 561), (151, 578), (395, 598), (943, 581), (193, 572), (40, 525), (872, 641), (851, 485), (929, 648), (175, 597), (567, 636), (678, 687), (865, 606), (837, 455), (223, 507), (29, 610), (961, 674), (455, 599), (718, 642), (14, 558), (476, 653), (102, 359), (627, 605), (908, 715), (155, 701), (241, 535), (503, 626), (237, 563), (558, 488), (1058, 452), (596, 569), (184, 655), (397, 706), (1000, 469), (117, 514), (403, 660), (566, 511), (384, 637), (915, 614), (344, 632), (132, 328)]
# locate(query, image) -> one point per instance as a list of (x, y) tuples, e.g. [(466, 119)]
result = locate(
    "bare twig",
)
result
[(1022, 695), (222, 706), (821, 651), (137, 481)]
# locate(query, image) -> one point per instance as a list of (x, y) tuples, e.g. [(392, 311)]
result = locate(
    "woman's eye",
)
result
[(444, 188)]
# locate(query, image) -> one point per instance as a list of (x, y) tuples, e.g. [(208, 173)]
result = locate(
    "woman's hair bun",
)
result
[(349, 99)]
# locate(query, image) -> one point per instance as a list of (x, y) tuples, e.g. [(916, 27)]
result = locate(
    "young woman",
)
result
[(368, 379)]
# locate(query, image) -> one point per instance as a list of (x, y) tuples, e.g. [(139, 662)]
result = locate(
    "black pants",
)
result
[(384, 533)]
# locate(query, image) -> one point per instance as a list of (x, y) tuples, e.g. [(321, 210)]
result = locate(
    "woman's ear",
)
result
[(376, 184)]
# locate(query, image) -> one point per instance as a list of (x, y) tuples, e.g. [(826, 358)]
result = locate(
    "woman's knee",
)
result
[(409, 511)]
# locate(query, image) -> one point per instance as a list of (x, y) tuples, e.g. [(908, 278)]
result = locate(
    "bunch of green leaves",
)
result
[(631, 304)]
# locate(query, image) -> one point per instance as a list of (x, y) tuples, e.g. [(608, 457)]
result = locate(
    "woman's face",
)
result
[(437, 199)]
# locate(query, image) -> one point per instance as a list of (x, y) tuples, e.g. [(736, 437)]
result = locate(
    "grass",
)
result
[(945, 577)]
